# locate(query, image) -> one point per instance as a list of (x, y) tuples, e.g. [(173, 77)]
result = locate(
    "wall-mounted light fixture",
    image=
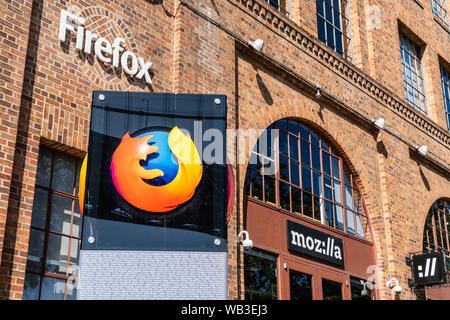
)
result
[(422, 149), (318, 87), (247, 243), (380, 122), (257, 44)]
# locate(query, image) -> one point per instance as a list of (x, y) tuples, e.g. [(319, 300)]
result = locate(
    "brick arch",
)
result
[(431, 199), (304, 110)]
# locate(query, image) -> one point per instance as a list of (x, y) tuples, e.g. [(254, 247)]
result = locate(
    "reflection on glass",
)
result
[(357, 287), (53, 289), (348, 198), (296, 200), (328, 213), (304, 132), (339, 217), (64, 173), (335, 168), (317, 183), (31, 287), (300, 285), (293, 145), (57, 254), (269, 189), (327, 188), (337, 191), (256, 185), (295, 177), (326, 163), (350, 222), (284, 196), (61, 214), (306, 178), (44, 167), (315, 152), (283, 143), (39, 215), (331, 290), (359, 226), (284, 168), (307, 205), (304, 146), (35, 250), (260, 276)]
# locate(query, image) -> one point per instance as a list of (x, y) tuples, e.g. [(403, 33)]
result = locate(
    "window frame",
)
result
[(445, 73), (439, 10), (344, 30), (347, 181), (51, 192), (437, 217), (415, 54)]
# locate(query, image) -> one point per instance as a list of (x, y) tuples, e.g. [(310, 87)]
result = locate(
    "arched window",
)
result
[(293, 168), (437, 227)]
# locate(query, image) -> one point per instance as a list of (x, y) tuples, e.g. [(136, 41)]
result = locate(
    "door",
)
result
[(305, 280)]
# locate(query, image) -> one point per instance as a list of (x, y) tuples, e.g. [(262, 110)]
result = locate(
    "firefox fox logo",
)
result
[(157, 170)]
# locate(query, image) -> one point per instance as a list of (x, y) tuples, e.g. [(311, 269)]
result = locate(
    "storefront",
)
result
[(334, 191), (308, 220)]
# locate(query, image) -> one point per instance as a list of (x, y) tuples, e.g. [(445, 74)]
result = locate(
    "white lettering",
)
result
[(105, 52), (310, 243)]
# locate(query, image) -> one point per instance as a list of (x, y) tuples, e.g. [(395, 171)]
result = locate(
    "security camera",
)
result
[(397, 288), (246, 243)]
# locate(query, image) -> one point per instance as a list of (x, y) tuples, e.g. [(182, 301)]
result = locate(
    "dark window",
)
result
[(300, 285), (331, 290), (260, 274), (436, 233), (55, 232), (413, 79), (311, 179), (360, 289), (333, 26), (445, 79)]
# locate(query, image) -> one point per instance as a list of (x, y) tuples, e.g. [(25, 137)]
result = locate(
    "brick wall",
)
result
[(200, 47)]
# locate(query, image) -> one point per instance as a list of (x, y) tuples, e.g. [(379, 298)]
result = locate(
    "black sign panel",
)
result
[(429, 268), (156, 172), (314, 243)]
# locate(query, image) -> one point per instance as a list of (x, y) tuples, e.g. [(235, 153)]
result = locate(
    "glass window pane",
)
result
[(314, 138), (315, 152), (335, 168), (77, 220), (74, 256), (304, 132), (307, 205), (53, 289), (64, 173), (282, 124), (337, 191), (260, 276), (300, 285), (35, 250), (39, 215), (357, 287), (326, 163), (305, 152), (331, 290), (77, 180), (269, 189), (324, 146), (317, 183), (318, 209), (284, 196), (348, 197), (350, 222), (360, 226), (61, 214), (319, 6), (295, 174), (328, 193), (284, 168), (293, 127), (31, 286), (283, 143), (44, 167), (256, 185), (339, 218), (321, 29), (296, 200), (306, 178), (328, 213), (57, 254), (293, 145)]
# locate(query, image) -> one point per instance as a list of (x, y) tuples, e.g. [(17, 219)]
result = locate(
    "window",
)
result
[(439, 8), (55, 232), (359, 290), (413, 80), (445, 78), (294, 168), (437, 227), (260, 275), (333, 26)]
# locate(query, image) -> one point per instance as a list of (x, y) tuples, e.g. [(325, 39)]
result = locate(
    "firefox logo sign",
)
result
[(157, 169)]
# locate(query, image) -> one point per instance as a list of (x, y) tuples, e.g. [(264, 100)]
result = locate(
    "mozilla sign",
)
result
[(106, 52)]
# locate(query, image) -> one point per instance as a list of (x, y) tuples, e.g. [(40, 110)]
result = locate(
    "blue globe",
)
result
[(163, 159)]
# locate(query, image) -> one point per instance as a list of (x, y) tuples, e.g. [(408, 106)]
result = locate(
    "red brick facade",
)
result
[(201, 47)]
